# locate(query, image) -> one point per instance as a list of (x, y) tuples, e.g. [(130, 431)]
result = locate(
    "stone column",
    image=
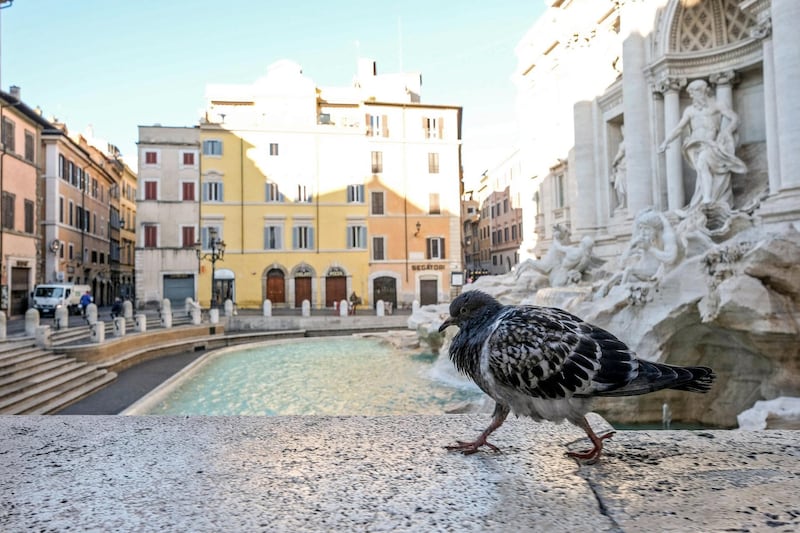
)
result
[(673, 158), (724, 86), (786, 43), (638, 144), (584, 215)]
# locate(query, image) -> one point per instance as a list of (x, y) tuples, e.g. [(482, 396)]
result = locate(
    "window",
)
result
[(378, 253), (377, 162), (559, 191), (29, 146), (273, 238), (205, 238), (273, 148), (212, 147), (28, 216), (71, 251), (505, 205), (377, 125), (357, 237), (302, 238), (433, 163), (514, 232), (187, 191), (94, 256), (150, 236), (434, 248), (61, 209), (213, 191), (71, 207), (376, 203), (303, 194), (273, 193), (95, 188), (150, 157), (433, 204), (187, 236), (63, 167), (8, 210), (7, 135), (355, 194), (433, 127), (151, 190), (505, 234), (187, 159)]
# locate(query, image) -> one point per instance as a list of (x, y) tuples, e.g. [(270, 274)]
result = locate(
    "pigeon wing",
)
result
[(549, 353)]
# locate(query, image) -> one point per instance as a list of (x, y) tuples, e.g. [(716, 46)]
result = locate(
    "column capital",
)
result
[(669, 84), (726, 77)]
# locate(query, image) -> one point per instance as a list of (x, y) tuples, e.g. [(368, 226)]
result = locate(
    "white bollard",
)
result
[(31, 322), (197, 316), (414, 306), (343, 308), (267, 308), (61, 318), (91, 313), (306, 308), (188, 305), (213, 316), (3, 326), (379, 308), (141, 323), (228, 308), (127, 309), (43, 338), (98, 332), (119, 327), (166, 313)]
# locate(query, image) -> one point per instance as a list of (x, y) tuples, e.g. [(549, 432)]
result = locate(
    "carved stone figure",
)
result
[(553, 256), (654, 247), (618, 173), (710, 145), (576, 260)]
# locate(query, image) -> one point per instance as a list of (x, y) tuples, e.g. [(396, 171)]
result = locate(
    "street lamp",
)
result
[(217, 247)]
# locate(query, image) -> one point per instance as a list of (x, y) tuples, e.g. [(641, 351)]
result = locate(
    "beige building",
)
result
[(167, 214)]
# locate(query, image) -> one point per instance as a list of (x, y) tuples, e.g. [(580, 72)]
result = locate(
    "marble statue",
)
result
[(553, 256), (618, 172), (653, 247), (710, 145), (576, 260)]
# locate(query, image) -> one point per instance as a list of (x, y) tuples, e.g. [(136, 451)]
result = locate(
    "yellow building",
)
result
[(320, 193)]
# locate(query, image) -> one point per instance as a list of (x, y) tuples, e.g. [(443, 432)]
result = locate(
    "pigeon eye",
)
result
[(463, 311)]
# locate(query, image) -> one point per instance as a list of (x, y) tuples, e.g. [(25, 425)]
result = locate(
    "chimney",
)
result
[(14, 91)]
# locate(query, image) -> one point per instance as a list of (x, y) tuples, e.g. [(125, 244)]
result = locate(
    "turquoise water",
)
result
[(332, 376)]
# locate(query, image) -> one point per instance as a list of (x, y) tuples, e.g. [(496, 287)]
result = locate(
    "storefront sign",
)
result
[(427, 267)]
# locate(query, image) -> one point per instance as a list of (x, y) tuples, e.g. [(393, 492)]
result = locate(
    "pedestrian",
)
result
[(86, 299)]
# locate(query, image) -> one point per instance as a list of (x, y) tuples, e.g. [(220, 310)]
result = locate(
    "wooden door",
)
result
[(385, 288), (428, 292), (302, 291), (276, 288), (335, 290)]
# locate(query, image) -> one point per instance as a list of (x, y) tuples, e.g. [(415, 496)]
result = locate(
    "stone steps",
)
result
[(38, 382)]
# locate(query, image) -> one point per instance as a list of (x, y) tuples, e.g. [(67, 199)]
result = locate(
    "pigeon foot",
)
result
[(468, 448), (590, 457)]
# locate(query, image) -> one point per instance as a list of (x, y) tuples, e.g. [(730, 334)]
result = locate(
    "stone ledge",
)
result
[(384, 473)]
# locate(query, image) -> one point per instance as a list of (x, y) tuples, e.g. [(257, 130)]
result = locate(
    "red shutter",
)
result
[(150, 236), (150, 190), (188, 191), (188, 239)]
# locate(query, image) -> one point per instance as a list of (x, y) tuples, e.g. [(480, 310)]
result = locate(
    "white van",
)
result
[(49, 296)]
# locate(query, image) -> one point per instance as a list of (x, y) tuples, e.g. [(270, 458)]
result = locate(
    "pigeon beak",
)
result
[(446, 324)]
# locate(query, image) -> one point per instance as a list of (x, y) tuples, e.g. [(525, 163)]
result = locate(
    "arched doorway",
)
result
[(335, 286), (223, 287), (385, 288), (276, 286)]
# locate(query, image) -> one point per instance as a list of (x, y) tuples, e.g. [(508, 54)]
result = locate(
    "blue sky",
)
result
[(117, 64)]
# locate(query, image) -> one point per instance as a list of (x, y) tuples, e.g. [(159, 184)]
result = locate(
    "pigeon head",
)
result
[(470, 306)]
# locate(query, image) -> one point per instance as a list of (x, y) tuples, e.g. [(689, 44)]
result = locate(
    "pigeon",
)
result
[(548, 364)]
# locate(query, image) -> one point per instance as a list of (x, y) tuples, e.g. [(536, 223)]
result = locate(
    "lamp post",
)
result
[(217, 247)]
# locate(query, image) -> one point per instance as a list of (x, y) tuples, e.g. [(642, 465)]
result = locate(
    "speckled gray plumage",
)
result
[(546, 363)]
